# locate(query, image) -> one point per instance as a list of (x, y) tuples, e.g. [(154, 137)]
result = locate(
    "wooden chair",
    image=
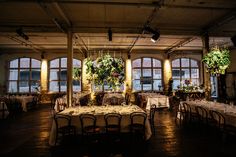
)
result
[(137, 126), (127, 98), (181, 113), (217, 119), (63, 126), (3, 110), (153, 110), (202, 114)]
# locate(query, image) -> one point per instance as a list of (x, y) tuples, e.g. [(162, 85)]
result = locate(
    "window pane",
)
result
[(13, 75), (176, 63), (194, 73), (157, 73), (195, 82), (157, 85), (194, 63), (63, 74), (54, 63), (146, 62), (76, 63), (54, 86), (136, 85), (156, 63), (14, 63), (136, 63), (54, 74), (176, 83), (64, 62), (35, 63), (24, 62), (147, 72), (185, 73), (147, 86), (76, 86), (136, 73), (176, 73), (35, 74), (24, 86), (24, 74), (184, 62), (12, 87), (35, 86), (63, 86)]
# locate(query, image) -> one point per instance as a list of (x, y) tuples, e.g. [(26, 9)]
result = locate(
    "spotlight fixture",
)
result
[(155, 33), (155, 37), (20, 32), (110, 34)]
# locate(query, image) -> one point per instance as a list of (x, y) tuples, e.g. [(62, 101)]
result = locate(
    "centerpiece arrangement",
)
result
[(105, 69), (217, 61)]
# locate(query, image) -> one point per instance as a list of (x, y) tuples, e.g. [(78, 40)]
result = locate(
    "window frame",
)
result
[(29, 80), (60, 69), (190, 68), (152, 68)]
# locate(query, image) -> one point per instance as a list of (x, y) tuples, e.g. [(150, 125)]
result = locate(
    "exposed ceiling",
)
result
[(181, 23)]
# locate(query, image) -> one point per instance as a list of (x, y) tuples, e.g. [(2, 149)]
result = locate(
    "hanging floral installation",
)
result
[(217, 61), (76, 73), (105, 69)]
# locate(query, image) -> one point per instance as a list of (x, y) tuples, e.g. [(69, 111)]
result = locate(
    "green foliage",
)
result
[(217, 61), (76, 73), (107, 69)]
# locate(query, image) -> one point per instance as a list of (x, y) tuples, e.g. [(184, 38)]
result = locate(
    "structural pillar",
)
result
[(167, 73), (206, 75), (128, 73), (69, 68)]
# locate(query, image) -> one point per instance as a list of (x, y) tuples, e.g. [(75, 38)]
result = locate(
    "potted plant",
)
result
[(105, 69), (217, 61)]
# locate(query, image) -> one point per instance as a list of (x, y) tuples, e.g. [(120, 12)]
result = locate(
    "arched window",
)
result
[(147, 74), (58, 75), (185, 69), (24, 75)]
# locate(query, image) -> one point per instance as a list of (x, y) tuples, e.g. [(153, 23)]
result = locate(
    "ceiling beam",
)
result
[(134, 4)]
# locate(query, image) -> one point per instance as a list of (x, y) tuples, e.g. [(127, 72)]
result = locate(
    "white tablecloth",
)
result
[(24, 100), (63, 100), (228, 111), (99, 112)]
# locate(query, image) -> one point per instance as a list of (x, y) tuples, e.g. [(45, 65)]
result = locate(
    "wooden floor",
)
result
[(27, 135)]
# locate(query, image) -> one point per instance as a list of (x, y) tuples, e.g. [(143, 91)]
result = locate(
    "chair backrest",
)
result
[(62, 120), (127, 98), (114, 100), (138, 118), (218, 118), (113, 120), (62, 106), (187, 107), (153, 109), (201, 112), (87, 120)]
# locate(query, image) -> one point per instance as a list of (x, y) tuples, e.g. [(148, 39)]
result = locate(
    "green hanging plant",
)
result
[(105, 69), (217, 61), (76, 73)]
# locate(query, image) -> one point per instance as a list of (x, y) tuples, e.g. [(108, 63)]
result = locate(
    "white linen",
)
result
[(99, 112), (24, 100), (159, 100), (228, 111)]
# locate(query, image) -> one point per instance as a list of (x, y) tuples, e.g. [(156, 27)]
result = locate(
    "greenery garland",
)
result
[(105, 69), (217, 61)]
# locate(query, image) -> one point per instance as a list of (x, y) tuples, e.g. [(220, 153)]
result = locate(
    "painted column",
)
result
[(167, 73), (44, 76), (128, 77), (69, 67)]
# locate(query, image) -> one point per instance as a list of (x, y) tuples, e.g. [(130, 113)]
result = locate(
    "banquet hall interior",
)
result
[(118, 78)]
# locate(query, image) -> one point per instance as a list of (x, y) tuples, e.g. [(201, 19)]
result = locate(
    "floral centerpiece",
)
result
[(217, 61), (105, 69)]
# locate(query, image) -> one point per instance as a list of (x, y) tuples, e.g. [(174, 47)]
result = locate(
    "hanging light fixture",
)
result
[(155, 33)]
